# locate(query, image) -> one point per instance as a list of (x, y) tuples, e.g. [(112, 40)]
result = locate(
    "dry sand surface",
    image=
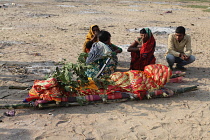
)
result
[(34, 34)]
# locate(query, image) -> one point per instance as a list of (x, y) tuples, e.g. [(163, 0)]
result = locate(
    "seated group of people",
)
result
[(102, 52)]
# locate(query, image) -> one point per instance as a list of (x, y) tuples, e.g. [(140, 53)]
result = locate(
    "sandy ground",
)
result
[(35, 34)]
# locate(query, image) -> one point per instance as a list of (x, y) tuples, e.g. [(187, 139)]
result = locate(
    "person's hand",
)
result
[(181, 56), (114, 53), (95, 38), (138, 46), (184, 56)]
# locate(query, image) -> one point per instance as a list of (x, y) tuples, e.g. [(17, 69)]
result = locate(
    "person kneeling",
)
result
[(176, 44)]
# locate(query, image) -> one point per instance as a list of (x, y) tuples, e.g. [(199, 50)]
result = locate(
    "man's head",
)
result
[(180, 33), (89, 44), (104, 36)]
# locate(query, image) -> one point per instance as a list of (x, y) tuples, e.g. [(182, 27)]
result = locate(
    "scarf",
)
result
[(146, 54), (89, 36)]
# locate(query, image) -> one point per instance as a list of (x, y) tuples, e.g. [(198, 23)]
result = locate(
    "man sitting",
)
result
[(99, 53), (179, 49)]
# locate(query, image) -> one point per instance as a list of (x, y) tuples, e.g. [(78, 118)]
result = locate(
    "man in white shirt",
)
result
[(179, 49)]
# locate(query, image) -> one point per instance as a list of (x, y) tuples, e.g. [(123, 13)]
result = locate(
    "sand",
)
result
[(34, 35)]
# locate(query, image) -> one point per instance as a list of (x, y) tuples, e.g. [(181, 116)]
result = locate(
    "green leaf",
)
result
[(67, 88), (72, 76), (67, 75)]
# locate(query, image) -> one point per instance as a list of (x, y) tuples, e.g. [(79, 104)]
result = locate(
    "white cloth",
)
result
[(97, 51)]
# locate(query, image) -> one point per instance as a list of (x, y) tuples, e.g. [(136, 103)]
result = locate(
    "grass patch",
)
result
[(207, 10), (195, 0), (197, 6)]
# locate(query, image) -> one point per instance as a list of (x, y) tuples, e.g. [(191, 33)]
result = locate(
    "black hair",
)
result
[(95, 26), (104, 36), (143, 31), (180, 30), (89, 44)]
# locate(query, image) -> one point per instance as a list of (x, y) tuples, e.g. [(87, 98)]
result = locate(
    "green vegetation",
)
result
[(195, 0), (205, 8), (72, 77), (198, 6)]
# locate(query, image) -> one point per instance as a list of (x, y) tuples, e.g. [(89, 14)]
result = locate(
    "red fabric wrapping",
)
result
[(47, 90), (176, 80), (141, 94), (116, 95), (92, 97), (41, 85), (159, 73), (138, 82)]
